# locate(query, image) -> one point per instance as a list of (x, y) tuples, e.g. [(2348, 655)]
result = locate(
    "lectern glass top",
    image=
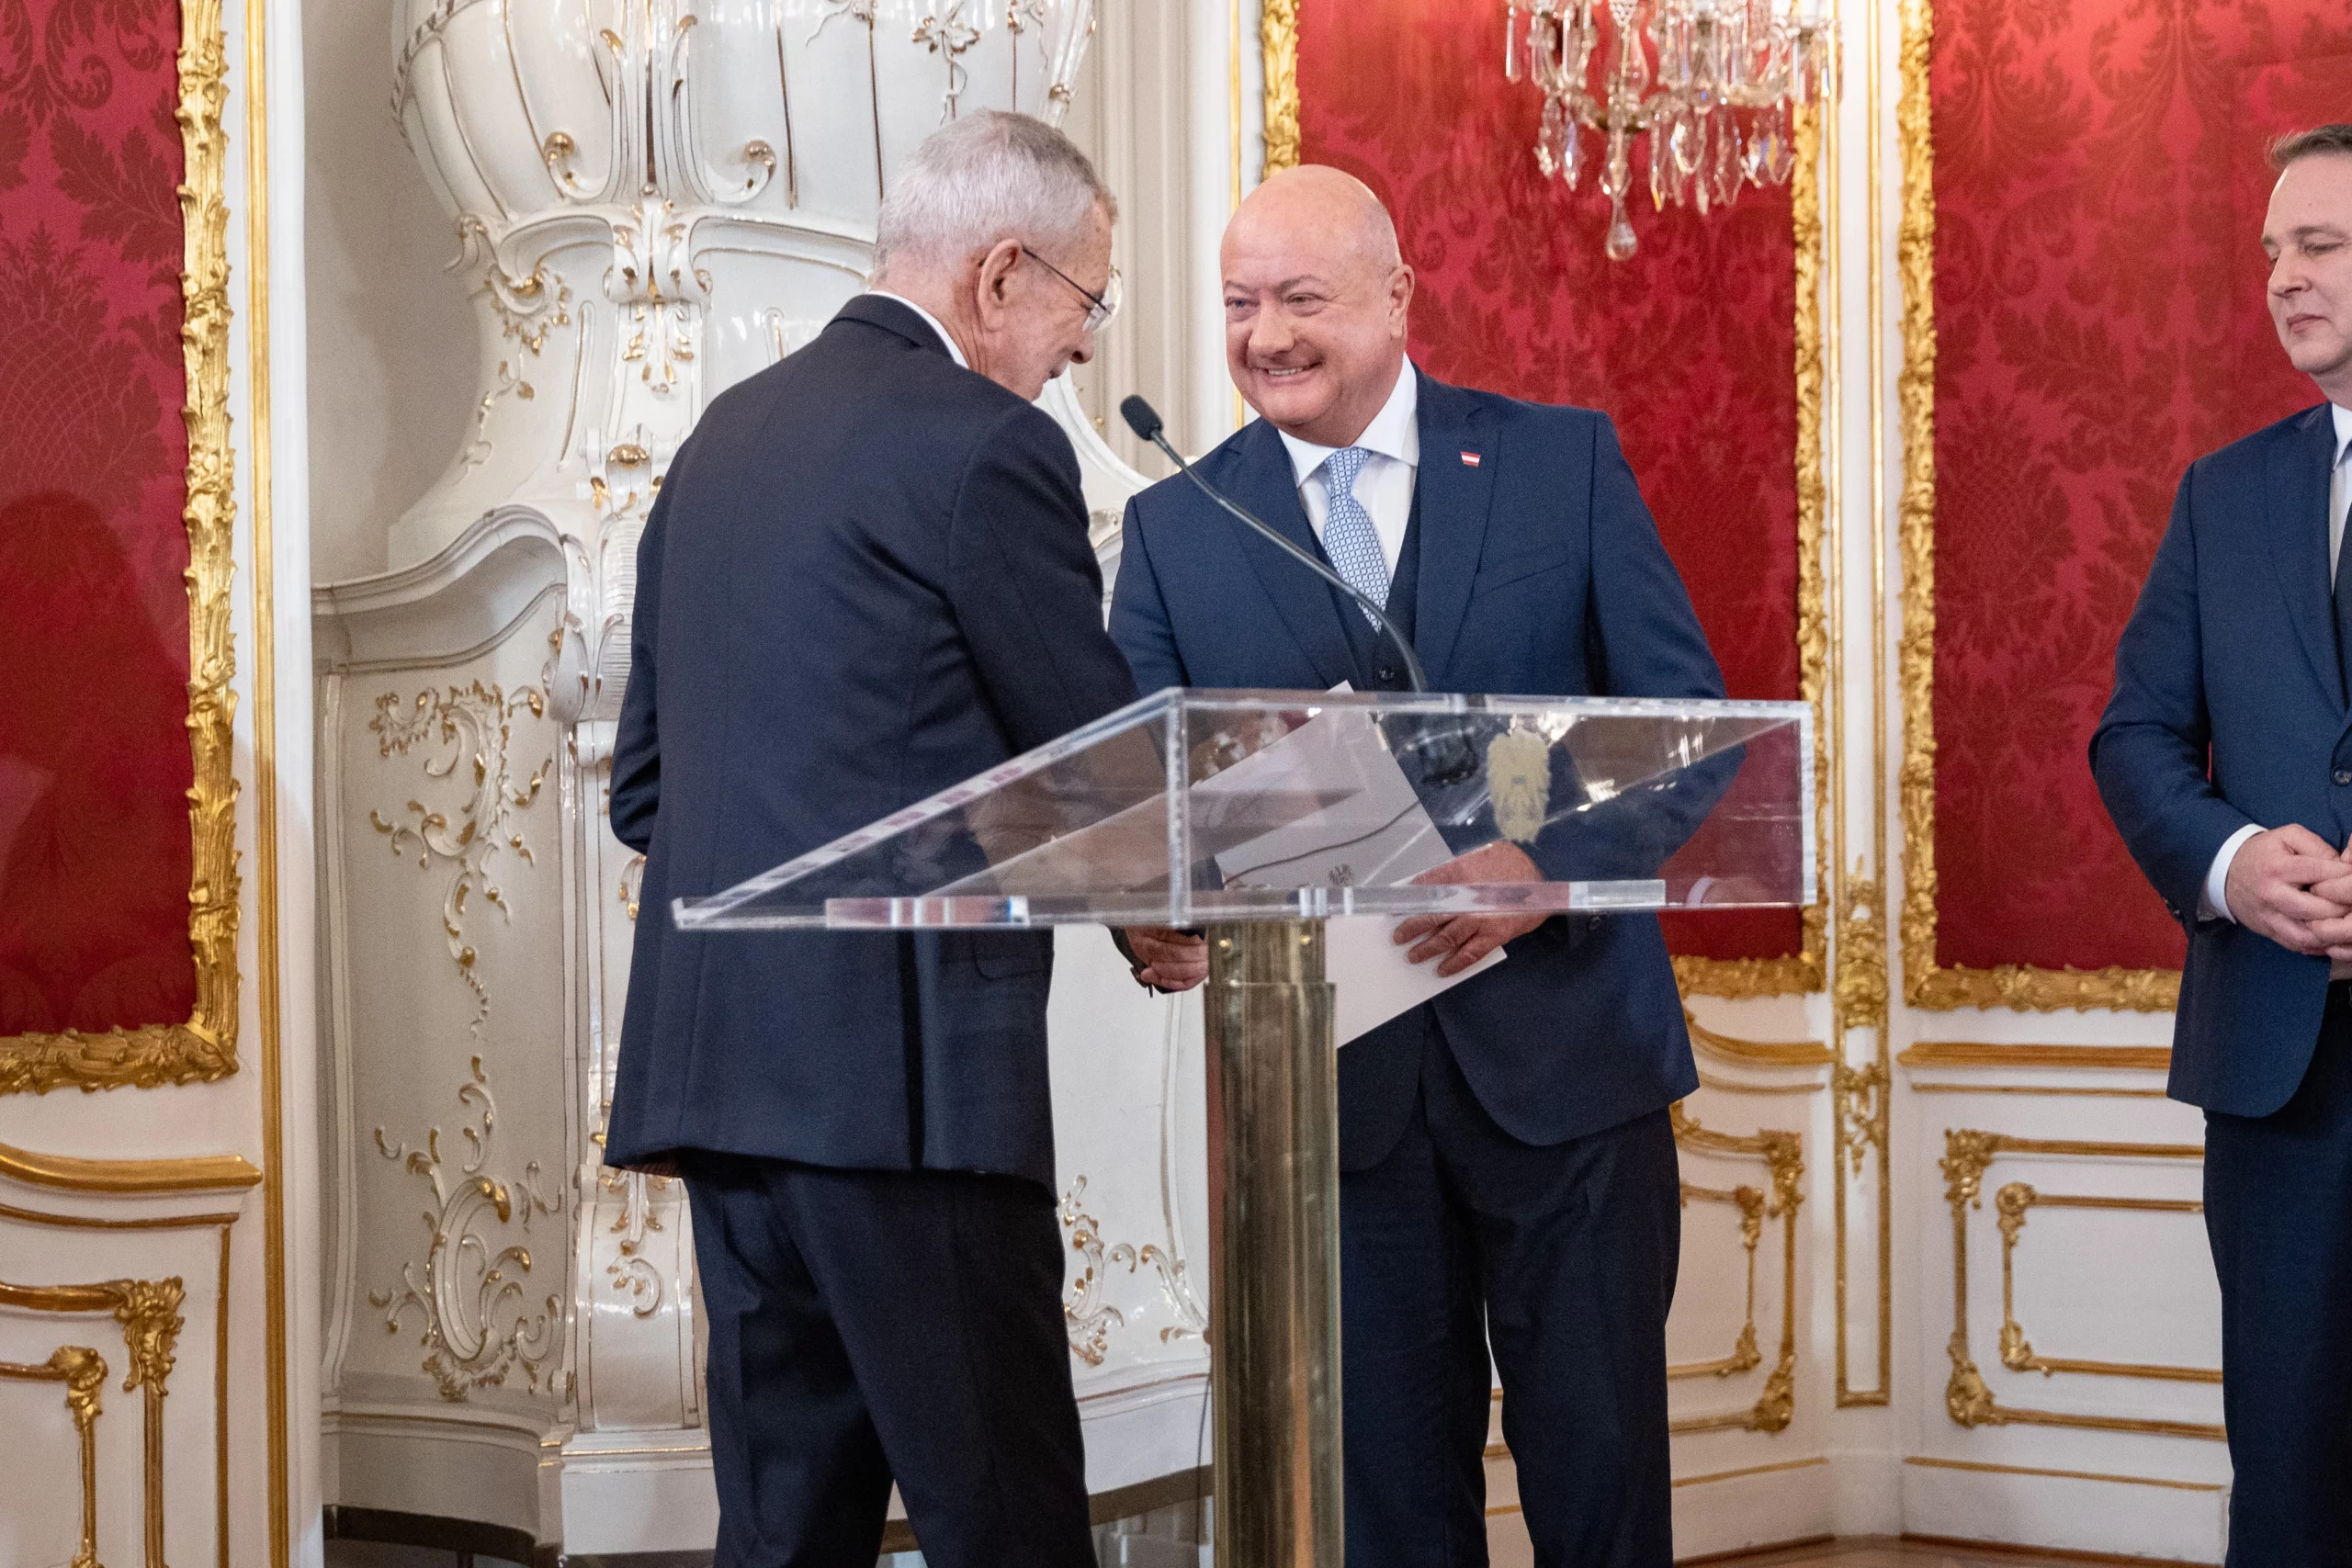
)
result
[(1192, 806)]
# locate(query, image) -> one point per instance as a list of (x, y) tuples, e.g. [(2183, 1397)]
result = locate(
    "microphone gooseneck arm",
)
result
[(1144, 421)]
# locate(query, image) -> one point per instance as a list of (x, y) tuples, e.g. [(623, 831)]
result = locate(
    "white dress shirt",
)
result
[(946, 338), (1385, 485), (2214, 904)]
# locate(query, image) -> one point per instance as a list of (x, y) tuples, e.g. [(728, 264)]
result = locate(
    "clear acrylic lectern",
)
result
[(1257, 815)]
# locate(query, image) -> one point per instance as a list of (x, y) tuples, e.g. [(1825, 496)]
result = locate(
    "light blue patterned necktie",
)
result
[(1349, 538)]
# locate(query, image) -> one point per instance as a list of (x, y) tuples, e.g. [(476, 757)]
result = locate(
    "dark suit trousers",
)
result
[(2278, 1210), (1572, 1251), (868, 1325)]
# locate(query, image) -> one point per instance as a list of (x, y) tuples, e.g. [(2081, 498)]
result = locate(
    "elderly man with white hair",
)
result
[(866, 579)]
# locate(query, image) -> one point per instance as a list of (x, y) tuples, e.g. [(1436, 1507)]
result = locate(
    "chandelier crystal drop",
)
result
[(1714, 84)]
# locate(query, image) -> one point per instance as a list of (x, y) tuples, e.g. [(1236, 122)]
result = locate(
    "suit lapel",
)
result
[(1267, 487), (1454, 494), (2299, 472)]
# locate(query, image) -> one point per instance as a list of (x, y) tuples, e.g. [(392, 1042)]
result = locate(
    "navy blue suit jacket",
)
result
[(2228, 710), (866, 579), (1538, 573)]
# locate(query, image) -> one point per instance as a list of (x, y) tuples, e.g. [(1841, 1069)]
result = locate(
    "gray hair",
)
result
[(985, 177), (2300, 144)]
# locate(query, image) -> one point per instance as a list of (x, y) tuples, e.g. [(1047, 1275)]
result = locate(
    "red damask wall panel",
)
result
[(2100, 188), (95, 769), (1690, 347)]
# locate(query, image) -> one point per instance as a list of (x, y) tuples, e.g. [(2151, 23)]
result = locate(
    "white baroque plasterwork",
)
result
[(472, 724), (651, 199), (478, 1327), (655, 198), (1087, 1309)]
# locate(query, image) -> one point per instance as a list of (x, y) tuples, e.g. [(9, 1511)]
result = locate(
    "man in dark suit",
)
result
[(1508, 1169), (2225, 758), (867, 579)]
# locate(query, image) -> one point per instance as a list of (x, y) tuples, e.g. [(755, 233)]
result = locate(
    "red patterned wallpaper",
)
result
[(1690, 347), (2100, 190), (95, 769)]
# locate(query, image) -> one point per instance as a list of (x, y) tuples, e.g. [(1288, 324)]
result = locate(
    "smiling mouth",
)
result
[(1283, 372)]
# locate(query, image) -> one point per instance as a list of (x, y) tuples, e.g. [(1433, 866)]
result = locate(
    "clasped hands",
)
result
[(2294, 887), (1178, 961)]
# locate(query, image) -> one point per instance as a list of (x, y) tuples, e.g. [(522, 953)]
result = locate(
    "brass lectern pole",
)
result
[(1274, 1334)]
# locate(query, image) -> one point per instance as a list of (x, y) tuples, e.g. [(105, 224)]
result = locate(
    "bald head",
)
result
[(1316, 204), (1316, 298)]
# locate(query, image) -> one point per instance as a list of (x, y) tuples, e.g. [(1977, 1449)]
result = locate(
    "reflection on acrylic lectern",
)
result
[(1258, 815)]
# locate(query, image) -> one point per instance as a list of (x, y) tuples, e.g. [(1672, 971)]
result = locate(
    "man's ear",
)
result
[(1400, 295), (992, 283)]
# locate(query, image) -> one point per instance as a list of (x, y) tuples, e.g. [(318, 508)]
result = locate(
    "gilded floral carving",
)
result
[(470, 727), (478, 1327), (1090, 1317)]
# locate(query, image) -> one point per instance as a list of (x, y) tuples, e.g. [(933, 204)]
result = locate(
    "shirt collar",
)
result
[(2342, 429), (946, 339), (1395, 431)]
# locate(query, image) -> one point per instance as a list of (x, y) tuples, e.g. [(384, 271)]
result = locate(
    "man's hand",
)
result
[(1171, 960), (2336, 888), (2275, 887), (1462, 940)]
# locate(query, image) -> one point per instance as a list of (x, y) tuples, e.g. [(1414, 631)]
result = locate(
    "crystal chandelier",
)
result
[(1712, 82)]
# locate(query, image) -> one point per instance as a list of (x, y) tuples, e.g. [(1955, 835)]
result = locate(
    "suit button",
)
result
[(1389, 672), (2343, 775)]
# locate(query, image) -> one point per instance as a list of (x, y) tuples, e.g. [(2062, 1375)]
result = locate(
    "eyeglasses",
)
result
[(1099, 307)]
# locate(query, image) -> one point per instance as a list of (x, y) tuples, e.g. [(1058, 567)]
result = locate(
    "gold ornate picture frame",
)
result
[(1927, 983), (204, 1047)]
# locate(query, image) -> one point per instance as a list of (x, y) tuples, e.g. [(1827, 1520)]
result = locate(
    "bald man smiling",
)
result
[(1508, 1169)]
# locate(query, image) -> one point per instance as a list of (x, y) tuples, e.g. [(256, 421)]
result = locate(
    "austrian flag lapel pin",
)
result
[(1469, 460)]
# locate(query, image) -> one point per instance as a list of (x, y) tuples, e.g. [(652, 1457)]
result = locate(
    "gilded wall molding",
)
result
[(1982, 1468), (1278, 41), (1783, 1157), (218, 1223), (2012, 1203), (1969, 1054), (71, 1173), (1805, 970), (1744, 1356), (84, 1373), (1926, 983), (1755, 1052), (148, 1314), (204, 1047), (1968, 1399)]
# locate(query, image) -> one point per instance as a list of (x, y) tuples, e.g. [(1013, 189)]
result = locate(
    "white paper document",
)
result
[(1379, 836), (1374, 982)]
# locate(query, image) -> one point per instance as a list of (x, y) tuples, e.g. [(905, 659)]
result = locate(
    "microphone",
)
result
[(1144, 421)]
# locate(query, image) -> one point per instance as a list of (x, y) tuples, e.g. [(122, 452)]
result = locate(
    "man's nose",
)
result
[(1084, 353), (1270, 333)]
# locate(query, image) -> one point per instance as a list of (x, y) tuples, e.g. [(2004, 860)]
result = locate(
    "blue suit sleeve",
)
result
[(1140, 622), (1643, 626), (2149, 753), (637, 743), (1025, 586), (1643, 640)]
